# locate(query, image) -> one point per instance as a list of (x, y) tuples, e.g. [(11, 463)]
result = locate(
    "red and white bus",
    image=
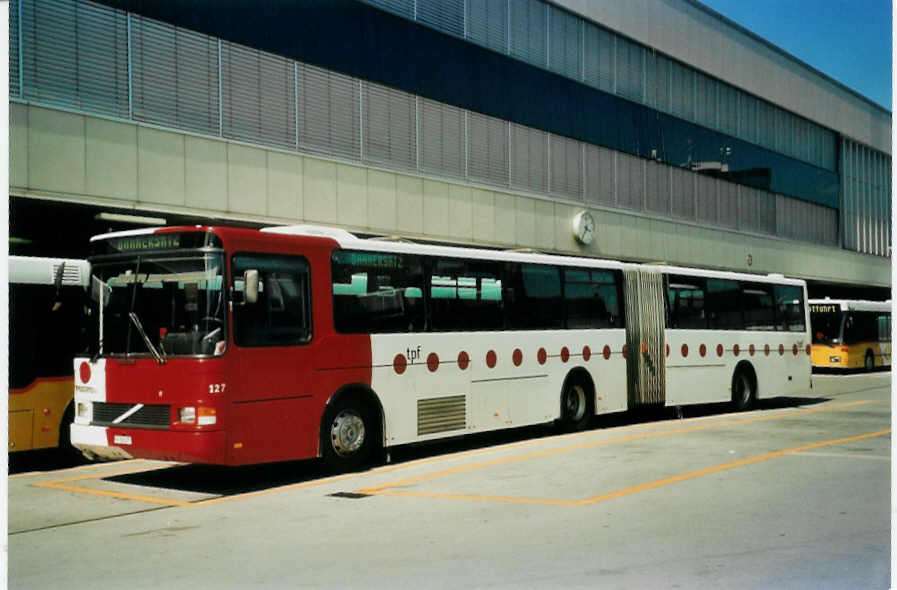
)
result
[(236, 346)]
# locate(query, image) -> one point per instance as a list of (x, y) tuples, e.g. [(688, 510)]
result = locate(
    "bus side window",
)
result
[(282, 314), (884, 327), (686, 301), (591, 297), (377, 292), (757, 302), (533, 296), (466, 295), (789, 308), (723, 306)]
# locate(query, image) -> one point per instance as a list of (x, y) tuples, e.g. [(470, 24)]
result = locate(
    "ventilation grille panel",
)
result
[(441, 414)]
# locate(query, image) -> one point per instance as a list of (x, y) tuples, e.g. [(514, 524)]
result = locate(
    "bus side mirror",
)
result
[(251, 286)]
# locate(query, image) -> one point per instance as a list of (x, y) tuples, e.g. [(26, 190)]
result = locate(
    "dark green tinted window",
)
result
[(377, 292)]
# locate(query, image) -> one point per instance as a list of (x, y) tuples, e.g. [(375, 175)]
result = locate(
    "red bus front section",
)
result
[(242, 405)]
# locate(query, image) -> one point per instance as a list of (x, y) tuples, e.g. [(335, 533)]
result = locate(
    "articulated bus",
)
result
[(850, 334), (234, 346), (47, 298)]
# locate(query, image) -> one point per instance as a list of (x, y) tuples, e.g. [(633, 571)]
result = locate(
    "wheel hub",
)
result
[(347, 433)]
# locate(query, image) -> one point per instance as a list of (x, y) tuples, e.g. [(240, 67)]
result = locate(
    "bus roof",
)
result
[(854, 304), (347, 240)]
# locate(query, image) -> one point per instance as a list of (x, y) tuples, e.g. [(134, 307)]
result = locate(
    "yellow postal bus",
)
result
[(46, 310), (851, 334)]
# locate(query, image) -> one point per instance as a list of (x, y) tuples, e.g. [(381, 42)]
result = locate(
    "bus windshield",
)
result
[(173, 304), (826, 327)]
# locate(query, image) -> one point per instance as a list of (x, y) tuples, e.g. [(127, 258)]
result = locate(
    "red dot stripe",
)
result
[(399, 363), (432, 362), (463, 360)]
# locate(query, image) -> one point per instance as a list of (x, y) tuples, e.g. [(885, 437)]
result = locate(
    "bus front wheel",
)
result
[(870, 362), (347, 434)]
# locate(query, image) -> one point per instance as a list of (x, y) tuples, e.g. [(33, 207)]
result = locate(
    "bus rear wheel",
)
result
[(869, 363), (575, 406), (347, 434), (744, 391)]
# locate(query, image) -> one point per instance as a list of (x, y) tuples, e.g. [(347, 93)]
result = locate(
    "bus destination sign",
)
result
[(148, 242), (824, 308)]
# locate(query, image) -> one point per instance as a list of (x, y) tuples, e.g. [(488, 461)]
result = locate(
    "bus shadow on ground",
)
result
[(230, 481), (44, 460)]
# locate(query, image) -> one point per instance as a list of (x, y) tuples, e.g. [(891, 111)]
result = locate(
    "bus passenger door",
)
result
[(271, 396), (645, 340)]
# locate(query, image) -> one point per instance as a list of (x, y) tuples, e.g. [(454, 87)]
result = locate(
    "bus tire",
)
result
[(348, 433), (576, 402), (869, 362), (744, 387), (65, 449)]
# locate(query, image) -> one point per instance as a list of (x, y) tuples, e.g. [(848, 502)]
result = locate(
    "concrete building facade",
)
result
[(492, 122)]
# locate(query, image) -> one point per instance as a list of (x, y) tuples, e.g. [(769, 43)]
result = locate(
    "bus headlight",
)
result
[(187, 415), (83, 412), (206, 416)]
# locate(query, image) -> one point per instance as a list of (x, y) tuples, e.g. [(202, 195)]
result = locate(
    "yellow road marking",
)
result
[(597, 443), (59, 484), (120, 495), (639, 488)]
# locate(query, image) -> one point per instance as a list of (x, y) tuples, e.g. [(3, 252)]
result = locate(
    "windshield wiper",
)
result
[(156, 354)]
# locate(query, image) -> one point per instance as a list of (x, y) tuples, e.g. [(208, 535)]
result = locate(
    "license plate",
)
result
[(121, 439)]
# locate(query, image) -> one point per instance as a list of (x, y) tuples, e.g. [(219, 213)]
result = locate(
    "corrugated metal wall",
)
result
[(84, 56), (865, 199)]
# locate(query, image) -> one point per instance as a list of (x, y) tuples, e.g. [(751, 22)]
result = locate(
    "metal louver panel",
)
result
[(441, 138), (487, 150), (443, 15), (258, 96), (565, 157), (683, 193), (75, 55), (630, 182), (728, 109), (390, 126), (329, 112), (657, 191), (441, 414), (598, 67), (661, 77), (630, 70), (766, 125), (706, 201), (529, 158), (14, 87), (747, 118), (565, 33), (71, 274), (645, 340), (728, 204), (747, 200), (487, 24), (174, 77), (599, 175), (706, 90), (682, 91), (528, 31)]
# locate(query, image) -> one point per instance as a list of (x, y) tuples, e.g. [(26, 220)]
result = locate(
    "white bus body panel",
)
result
[(501, 397)]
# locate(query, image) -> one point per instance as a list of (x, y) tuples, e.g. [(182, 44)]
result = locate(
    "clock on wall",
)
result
[(584, 227)]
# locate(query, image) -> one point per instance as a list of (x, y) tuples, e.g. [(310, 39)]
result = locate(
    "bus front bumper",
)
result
[(109, 443)]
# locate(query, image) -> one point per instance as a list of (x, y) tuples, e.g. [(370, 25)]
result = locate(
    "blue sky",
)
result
[(849, 40)]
